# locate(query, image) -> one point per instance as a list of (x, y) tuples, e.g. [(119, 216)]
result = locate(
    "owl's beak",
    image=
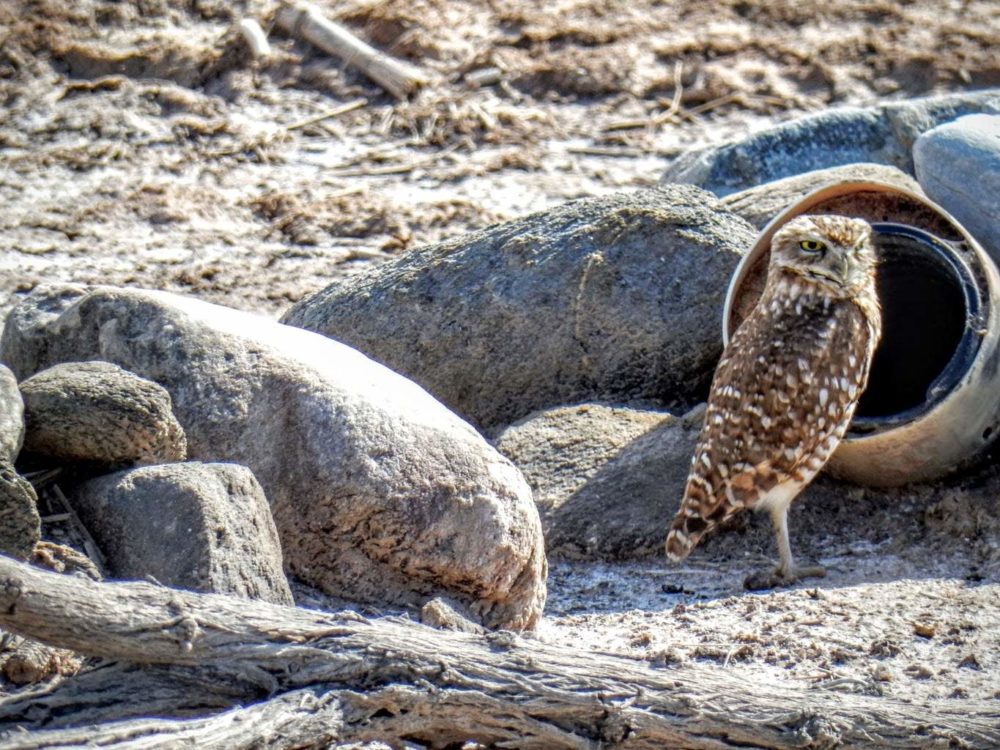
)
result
[(843, 269)]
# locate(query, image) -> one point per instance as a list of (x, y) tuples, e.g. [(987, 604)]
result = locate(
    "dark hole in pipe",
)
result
[(929, 304)]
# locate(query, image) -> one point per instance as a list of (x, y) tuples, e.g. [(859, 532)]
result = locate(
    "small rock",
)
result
[(924, 630), (614, 299), (760, 204), (11, 417), (969, 662), (440, 613), (884, 648), (675, 588), (883, 134), (204, 527), (20, 525), (958, 164), (98, 413), (882, 673), (379, 493), (608, 480), (919, 672)]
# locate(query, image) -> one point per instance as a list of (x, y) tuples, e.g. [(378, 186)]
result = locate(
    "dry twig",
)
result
[(328, 114), (307, 22), (668, 115)]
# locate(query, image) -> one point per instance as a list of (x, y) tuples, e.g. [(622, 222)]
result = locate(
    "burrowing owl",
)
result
[(787, 385)]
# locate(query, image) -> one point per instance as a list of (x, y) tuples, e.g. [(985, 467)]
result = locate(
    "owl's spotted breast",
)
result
[(781, 399)]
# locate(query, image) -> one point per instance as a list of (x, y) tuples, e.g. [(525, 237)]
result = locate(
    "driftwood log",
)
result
[(305, 21), (220, 672)]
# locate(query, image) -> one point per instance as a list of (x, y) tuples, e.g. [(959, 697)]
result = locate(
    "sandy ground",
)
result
[(139, 145)]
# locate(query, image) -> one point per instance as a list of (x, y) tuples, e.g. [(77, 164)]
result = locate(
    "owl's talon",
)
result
[(810, 571), (776, 578)]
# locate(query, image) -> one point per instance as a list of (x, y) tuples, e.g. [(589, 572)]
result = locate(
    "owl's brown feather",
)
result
[(783, 394)]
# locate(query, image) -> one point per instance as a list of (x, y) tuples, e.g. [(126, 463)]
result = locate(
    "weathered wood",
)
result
[(254, 37), (297, 719), (307, 22), (389, 678)]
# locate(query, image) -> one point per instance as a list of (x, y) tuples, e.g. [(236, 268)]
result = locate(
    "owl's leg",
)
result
[(787, 572)]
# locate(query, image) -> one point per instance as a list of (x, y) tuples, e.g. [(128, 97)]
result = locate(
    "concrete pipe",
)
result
[(933, 398)]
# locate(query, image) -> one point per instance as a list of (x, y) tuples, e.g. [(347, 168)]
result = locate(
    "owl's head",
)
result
[(835, 252)]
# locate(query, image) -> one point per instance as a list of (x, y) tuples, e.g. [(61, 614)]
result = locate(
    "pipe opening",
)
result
[(930, 308)]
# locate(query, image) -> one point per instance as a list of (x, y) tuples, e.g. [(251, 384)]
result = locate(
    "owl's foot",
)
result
[(779, 577)]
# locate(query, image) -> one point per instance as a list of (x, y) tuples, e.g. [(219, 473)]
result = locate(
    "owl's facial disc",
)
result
[(831, 250)]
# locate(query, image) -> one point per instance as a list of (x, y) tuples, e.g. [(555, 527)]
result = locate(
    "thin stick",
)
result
[(343, 109), (93, 551), (307, 22), (394, 168), (255, 38), (39, 479), (625, 152), (56, 518), (667, 115), (675, 103), (714, 103)]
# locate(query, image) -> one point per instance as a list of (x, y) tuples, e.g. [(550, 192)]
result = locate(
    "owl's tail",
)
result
[(690, 524), (685, 533)]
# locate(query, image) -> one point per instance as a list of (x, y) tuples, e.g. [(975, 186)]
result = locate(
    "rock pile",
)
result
[(377, 492)]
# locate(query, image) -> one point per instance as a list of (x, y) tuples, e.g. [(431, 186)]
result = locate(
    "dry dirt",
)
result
[(140, 145)]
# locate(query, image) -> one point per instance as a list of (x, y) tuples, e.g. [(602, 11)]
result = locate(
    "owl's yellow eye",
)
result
[(812, 246)]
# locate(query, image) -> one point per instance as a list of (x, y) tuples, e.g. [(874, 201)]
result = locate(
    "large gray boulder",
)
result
[(608, 481), (883, 133), (203, 527), (11, 416), (958, 165), (760, 204), (615, 298), (378, 492), (99, 414)]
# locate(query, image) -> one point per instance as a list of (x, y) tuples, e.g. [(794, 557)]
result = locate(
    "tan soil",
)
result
[(140, 146)]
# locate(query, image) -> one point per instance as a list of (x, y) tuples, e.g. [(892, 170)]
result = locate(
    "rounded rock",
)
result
[(98, 413)]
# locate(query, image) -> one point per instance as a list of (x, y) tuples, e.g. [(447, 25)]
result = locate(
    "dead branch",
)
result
[(307, 22), (254, 37), (389, 678)]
